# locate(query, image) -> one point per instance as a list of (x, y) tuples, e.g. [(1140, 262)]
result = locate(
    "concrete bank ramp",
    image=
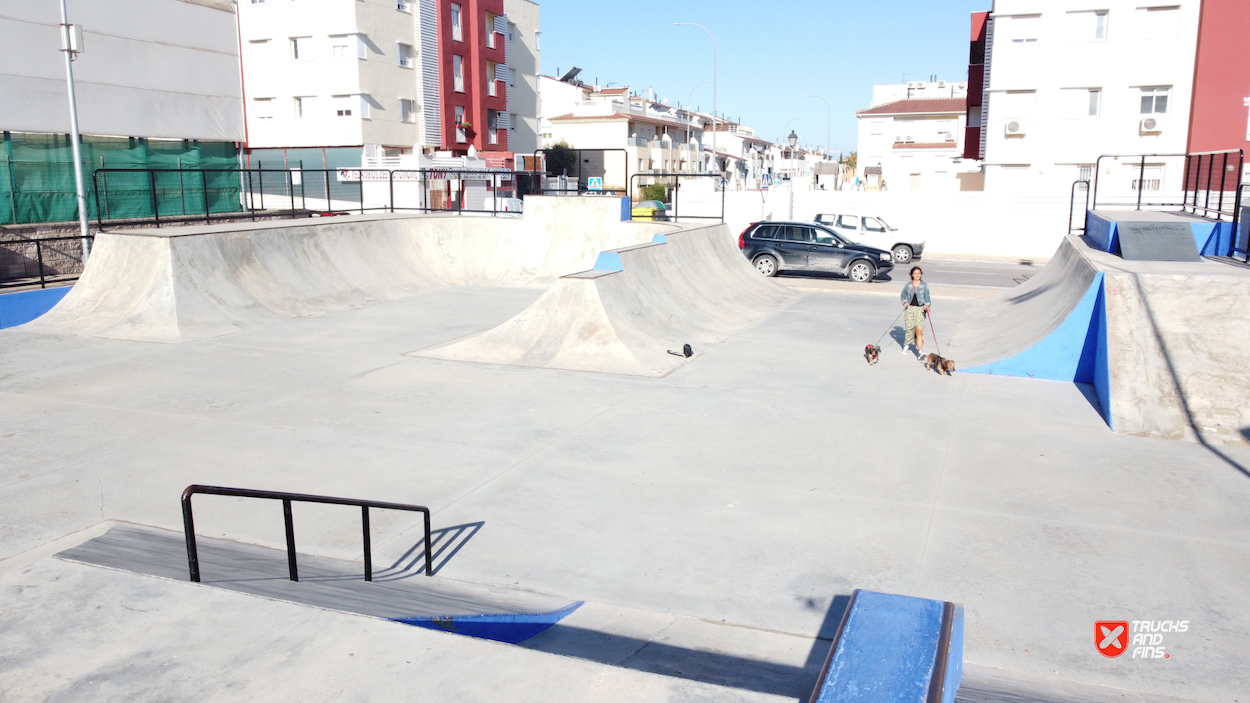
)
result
[(691, 286), (1158, 340), (181, 284)]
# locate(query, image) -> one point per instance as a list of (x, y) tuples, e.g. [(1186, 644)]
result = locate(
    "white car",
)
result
[(874, 232)]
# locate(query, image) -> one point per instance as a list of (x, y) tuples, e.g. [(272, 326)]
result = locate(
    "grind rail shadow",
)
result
[(188, 521)]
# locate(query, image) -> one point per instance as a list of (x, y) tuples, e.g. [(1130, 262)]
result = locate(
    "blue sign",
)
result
[(594, 183), (767, 178)]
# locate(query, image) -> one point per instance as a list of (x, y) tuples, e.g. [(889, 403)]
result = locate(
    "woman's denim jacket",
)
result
[(922, 293)]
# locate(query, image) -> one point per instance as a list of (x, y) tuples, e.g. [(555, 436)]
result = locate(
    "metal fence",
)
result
[(166, 196), (42, 262), (698, 206), (1210, 183)]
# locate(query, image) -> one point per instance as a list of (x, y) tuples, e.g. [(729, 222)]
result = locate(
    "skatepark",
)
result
[(672, 527)]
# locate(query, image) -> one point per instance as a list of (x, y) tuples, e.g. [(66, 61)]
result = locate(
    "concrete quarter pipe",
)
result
[(1151, 336), (688, 287)]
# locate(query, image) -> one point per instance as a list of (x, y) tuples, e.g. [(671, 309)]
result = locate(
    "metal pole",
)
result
[(429, 550), (390, 177), (156, 213), (39, 256), (290, 538), (67, 49), (1223, 177), (95, 186), (290, 186), (364, 521), (326, 172), (1185, 184), (1141, 180), (13, 188), (188, 526), (204, 182), (1206, 205)]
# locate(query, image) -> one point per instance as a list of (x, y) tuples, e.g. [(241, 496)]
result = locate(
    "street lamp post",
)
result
[(70, 47), (792, 139), (709, 36), (690, 101)]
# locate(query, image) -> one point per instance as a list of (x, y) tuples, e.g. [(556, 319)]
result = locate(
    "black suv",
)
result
[(773, 247)]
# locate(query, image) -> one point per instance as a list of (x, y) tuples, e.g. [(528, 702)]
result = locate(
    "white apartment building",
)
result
[(1069, 80), (655, 136), (379, 74), (912, 137)]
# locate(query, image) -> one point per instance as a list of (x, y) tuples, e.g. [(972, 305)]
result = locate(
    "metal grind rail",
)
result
[(62, 258), (188, 522)]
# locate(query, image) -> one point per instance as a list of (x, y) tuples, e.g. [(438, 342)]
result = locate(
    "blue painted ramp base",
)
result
[(894, 648), (504, 627), (20, 308), (1076, 351)]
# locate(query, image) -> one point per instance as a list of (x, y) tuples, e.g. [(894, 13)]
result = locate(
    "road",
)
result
[(974, 278)]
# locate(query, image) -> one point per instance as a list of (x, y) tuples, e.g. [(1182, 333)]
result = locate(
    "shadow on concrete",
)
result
[(1176, 383), (700, 665), (445, 543)]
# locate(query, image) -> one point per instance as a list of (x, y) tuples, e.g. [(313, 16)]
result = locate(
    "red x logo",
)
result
[(1111, 637)]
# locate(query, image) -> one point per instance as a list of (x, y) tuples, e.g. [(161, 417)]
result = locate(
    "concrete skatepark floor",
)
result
[(742, 494)]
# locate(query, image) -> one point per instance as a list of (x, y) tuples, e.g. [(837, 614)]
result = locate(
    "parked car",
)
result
[(773, 247), (649, 210), (874, 232)]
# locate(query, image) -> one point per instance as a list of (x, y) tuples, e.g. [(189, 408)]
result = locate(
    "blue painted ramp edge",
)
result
[(608, 261), (659, 239), (1213, 238), (503, 627), (20, 308), (894, 648), (1066, 354)]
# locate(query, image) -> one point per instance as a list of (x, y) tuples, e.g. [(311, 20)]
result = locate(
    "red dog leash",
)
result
[(935, 342)]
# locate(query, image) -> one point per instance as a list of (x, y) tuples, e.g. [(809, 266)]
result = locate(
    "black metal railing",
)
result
[(188, 523), (675, 190), (162, 196), (25, 262), (1072, 206), (1200, 185)]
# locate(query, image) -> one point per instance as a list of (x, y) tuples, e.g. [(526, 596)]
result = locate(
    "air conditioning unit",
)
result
[(898, 140), (1150, 125), (908, 139), (911, 84), (947, 136), (1014, 128), (941, 84)]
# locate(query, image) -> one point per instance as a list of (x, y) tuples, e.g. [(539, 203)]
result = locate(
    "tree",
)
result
[(561, 159), (851, 162), (655, 191)]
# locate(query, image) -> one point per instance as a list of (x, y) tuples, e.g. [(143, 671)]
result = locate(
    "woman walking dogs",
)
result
[(915, 306)]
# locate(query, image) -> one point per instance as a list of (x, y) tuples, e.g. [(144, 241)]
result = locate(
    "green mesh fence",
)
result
[(37, 178)]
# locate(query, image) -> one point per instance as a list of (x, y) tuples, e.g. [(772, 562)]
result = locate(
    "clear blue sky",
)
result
[(771, 54)]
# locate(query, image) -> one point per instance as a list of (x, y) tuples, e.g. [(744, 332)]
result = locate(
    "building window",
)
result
[(460, 131), (405, 55), (343, 46), (490, 30), (1154, 100), (263, 108), (492, 127), (1100, 25), (1020, 29), (457, 73), (1149, 177), (1087, 25), (512, 121), (401, 5), (258, 2), (299, 45), (1095, 101), (1157, 22), (538, 41), (457, 29), (1084, 172), (342, 106), (301, 103), (407, 110)]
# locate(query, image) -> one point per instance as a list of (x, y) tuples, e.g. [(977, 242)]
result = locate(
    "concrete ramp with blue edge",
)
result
[(894, 648), (1211, 238), (22, 307), (1052, 327)]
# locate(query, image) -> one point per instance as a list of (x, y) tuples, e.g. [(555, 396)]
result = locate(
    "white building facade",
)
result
[(912, 137), (370, 73), (1069, 80)]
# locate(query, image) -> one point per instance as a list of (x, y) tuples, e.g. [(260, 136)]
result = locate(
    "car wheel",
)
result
[(766, 265), (861, 271), (902, 254)]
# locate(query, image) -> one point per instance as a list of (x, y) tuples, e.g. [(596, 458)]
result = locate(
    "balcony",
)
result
[(972, 142)]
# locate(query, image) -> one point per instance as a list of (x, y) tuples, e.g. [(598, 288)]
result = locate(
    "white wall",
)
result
[(524, 58), (151, 68), (1045, 59)]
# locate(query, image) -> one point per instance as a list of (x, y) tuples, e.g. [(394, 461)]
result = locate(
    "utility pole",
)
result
[(71, 45), (709, 36)]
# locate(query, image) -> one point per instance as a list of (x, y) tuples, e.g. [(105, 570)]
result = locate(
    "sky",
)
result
[(770, 55)]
